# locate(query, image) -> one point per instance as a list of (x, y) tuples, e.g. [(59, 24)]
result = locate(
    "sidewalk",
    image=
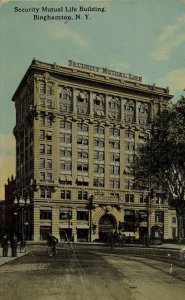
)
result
[(4, 260)]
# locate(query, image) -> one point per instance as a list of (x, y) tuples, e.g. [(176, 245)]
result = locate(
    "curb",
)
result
[(10, 258)]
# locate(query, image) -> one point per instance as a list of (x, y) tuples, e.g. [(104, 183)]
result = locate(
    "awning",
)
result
[(49, 133), (62, 178), (68, 178), (80, 178), (86, 179)]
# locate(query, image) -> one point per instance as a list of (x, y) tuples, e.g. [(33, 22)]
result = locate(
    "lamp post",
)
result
[(22, 203)]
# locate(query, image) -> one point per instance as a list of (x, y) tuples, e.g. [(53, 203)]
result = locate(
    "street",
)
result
[(82, 272)]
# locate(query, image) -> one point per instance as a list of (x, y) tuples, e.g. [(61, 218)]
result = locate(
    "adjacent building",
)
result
[(10, 192), (77, 130)]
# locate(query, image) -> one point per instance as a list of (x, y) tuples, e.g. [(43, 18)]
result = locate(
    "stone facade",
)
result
[(76, 134)]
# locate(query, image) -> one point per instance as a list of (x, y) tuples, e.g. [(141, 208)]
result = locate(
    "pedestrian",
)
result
[(14, 245), (4, 245)]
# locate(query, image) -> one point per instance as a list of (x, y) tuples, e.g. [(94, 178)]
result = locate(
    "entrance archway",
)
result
[(106, 224)]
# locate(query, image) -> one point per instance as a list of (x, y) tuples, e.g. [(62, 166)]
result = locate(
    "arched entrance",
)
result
[(106, 224)]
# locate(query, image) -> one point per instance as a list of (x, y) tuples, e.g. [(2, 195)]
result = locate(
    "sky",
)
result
[(141, 37)]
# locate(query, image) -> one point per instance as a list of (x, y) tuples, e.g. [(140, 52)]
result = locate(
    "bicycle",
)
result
[(51, 251)]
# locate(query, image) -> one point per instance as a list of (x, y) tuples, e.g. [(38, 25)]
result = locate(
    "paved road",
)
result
[(86, 273)]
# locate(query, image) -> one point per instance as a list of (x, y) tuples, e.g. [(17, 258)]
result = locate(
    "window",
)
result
[(160, 198), (174, 220), (129, 198), (42, 134), (98, 182), (42, 148), (49, 163), (143, 198), (142, 216), (99, 130), (129, 184), (99, 168), (99, 155), (49, 176), (49, 149), (98, 143), (82, 195), (82, 141), (66, 125), (114, 184), (42, 176), (114, 169), (114, 132), (82, 215), (159, 216), (49, 90), (82, 127), (129, 158), (42, 119), (65, 194), (129, 134), (114, 157), (83, 167), (42, 88), (49, 120), (65, 138), (66, 165), (65, 215), (45, 215), (129, 146), (49, 103), (65, 152), (83, 154), (114, 144), (49, 135), (42, 163), (129, 106)]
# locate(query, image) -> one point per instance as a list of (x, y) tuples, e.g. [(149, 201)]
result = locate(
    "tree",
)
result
[(160, 162)]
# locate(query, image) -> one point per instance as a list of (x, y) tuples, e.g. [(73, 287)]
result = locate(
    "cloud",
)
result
[(117, 65), (7, 160), (170, 38), (64, 33), (175, 80)]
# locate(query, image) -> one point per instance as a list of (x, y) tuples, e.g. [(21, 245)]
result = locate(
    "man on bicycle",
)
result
[(52, 241)]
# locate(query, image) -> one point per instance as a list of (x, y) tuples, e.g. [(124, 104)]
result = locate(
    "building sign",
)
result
[(103, 70)]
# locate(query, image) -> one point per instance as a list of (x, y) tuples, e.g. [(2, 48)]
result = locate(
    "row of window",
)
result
[(99, 182), (99, 155), (97, 129), (131, 216), (66, 138), (81, 215)]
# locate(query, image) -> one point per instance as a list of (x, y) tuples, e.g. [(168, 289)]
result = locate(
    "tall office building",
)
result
[(77, 130)]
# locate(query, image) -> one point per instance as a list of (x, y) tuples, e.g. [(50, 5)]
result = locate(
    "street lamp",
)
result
[(22, 203)]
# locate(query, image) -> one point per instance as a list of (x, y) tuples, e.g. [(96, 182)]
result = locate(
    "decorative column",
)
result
[(137, 111), (91, 104), (74, 96), (55, 223), (106, 106), (122, 108)]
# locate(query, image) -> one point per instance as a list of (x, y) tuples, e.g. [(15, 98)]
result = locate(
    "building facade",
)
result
[(77, 130), (10, 190)]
